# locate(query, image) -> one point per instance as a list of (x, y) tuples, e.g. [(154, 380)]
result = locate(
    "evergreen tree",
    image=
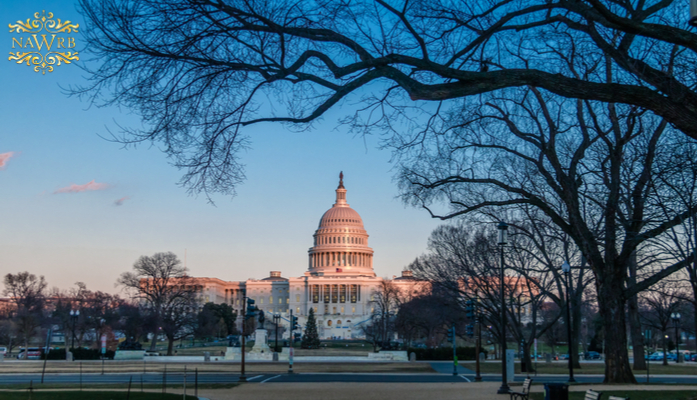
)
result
[(310, 338)]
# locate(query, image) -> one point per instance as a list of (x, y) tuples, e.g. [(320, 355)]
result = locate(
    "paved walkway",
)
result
[(382, 391)]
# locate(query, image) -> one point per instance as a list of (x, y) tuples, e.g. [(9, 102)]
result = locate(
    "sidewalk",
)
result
[(382, 391)]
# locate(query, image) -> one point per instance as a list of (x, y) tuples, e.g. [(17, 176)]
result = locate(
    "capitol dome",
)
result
[(341, 242)]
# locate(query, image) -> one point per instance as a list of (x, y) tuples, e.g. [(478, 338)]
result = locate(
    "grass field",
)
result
[(151, 367), (90, 395), (560, 367), (632, 394)]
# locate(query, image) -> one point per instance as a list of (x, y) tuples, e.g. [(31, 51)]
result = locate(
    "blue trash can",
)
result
[(556, 391)]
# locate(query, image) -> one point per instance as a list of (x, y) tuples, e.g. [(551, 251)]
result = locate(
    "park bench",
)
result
[(523, 394), (592, 395)]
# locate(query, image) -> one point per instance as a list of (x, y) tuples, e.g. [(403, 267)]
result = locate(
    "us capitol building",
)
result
[(338, 285)]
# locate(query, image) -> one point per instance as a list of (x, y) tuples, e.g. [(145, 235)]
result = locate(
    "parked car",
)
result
[(33, 353), (592, 355), (3, 351), (564, 356), (693, 357), (656, 356)]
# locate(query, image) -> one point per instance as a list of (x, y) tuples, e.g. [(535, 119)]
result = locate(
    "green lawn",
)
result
[(632, 394), (587, 368), (87, 395)]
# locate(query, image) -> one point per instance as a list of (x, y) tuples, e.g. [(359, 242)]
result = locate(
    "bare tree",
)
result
[(384, 305), (428, 317), (162, 284), (26, 291), (591, 169), (229, 64), (659, 307), (463, 262)]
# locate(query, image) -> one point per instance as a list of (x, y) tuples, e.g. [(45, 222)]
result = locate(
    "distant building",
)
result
[(338, 284)]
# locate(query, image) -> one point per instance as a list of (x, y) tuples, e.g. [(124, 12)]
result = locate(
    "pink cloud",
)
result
[(5, 157), (91, 185), (121, 201)]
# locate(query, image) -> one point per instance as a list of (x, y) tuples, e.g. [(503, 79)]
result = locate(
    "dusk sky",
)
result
[(76, 207)]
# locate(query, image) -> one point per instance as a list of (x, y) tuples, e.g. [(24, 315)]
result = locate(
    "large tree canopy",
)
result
[(199, 70)]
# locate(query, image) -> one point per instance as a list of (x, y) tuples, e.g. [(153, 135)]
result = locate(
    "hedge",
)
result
[(445, 353), (79, 354)]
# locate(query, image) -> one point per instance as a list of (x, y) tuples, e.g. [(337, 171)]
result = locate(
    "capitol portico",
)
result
[(338, 284)]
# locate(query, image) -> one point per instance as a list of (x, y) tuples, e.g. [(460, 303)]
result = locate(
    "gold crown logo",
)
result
[(47, 49)]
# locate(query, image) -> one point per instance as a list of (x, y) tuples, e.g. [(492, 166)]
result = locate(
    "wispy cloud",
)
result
[(5, 158), (91, 185), (121, 201)]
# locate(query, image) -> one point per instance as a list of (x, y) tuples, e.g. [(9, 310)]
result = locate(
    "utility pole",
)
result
[(277, 318), (478, 342), (293, 325)]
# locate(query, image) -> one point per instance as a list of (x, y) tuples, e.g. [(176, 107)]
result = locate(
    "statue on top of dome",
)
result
[(341, 180)]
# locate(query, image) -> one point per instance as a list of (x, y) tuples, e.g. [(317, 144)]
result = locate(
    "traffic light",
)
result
[(251, 309), (470, 309), (294, 323), (470, 330), (452, 334)]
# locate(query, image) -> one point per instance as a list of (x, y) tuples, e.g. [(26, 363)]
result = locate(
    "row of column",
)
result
[(340, 259)]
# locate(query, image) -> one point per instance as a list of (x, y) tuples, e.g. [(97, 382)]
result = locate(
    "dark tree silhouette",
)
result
[(311, 340), (168, 292), (199, 70), (26, 292)]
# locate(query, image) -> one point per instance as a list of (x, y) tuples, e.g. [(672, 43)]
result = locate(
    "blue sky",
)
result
[(50, 228)]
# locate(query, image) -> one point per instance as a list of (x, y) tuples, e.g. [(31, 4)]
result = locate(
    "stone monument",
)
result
[(260, 342)]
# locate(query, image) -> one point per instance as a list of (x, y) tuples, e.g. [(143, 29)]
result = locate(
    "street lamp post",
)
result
[(676, 317), (74, 314), (566, 269), (502, 227), (478, 343)]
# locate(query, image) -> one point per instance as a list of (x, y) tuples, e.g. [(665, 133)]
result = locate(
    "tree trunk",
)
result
[(636, 335), (612, 310), (634, 322), (664, 348), (26, 349), (170, 345), (526, 356)]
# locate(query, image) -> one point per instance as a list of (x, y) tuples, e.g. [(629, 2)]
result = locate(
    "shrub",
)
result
[(79, 354), (445, 353)]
